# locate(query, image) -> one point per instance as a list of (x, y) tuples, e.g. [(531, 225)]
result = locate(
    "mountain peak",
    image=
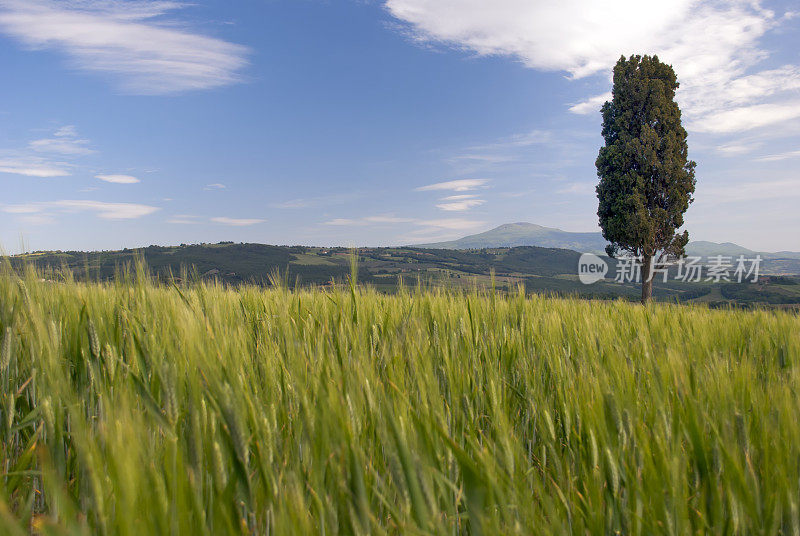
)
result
[(526, 234), (519, 224)]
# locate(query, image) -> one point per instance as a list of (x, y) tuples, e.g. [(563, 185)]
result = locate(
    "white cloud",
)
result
[(37, 219), (350, 222), (455, 224), (481, 158), (460, 206), (65, 140), (527, 139), (737, 148), (108, 211), (344, 222), (183, 219), (714, 46), (447, 223), (21, 209), (578, 188), (128, 40), (458, 197), (387, 219), (748, 117), (749, 191), (780, 156), (293, 203), (573, 35), (37, 160), (591, 105), (765, 83), (438, 230), (323, 200), (236, 222), (118, 179), (460, 202), (460, 185), (215, 186), (32, 168), (504, 150), (66, 131)]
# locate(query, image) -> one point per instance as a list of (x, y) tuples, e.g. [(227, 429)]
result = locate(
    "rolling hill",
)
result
[(703, 248), (540, 270), (529, 234)]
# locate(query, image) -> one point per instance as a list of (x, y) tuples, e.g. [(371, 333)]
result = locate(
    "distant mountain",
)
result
[(529, 234), (526, 234), (702, 248)]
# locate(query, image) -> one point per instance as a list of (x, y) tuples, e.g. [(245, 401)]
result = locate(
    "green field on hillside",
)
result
[(542, 270), (135, 407)]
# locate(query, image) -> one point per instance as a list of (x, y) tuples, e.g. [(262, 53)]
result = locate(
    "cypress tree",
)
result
[(646, 179)]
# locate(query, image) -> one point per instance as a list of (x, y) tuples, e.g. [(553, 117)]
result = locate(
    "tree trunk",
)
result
[(647, 279)]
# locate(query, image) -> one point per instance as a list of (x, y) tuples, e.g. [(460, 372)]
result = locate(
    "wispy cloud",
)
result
[(460, 206), (118, 179), (750, 191), (460, 202), (32, 168), (415, 230), (454, 224), (737, 148), (65, 141), (458, 197), (577, 188), (779, 156), (387, 219), (527, 139), (129, 41), (368, 220), (108, 211), (183, 219), (440, 229), (460, 185), (318, 201), (237, 222), (742, 118), (591, 105), (501, 151), (214, 186), (346, 222), (39, 158), (22, 209), (293, 203)]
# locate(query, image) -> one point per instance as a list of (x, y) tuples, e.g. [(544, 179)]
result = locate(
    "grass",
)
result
[(136, 408)]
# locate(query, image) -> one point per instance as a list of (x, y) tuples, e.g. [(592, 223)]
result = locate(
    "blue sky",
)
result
[(129, 123)]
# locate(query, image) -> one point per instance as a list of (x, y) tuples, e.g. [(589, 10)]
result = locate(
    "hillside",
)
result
[(703, 248), (541, 270)]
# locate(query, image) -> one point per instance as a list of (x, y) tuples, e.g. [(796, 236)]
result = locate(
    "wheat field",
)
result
[(134, 407)]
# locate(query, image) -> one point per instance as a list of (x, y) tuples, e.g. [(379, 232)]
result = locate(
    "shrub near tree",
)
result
[(646, 179)]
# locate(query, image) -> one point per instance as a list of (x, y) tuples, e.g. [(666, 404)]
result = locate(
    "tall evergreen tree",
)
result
[(646, 179)]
